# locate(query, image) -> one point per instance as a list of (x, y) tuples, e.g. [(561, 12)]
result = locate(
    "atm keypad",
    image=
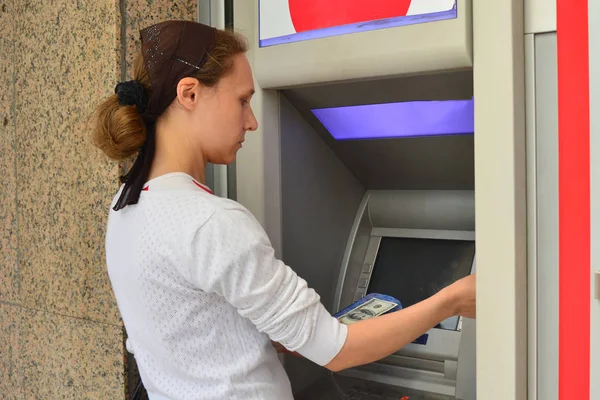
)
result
[(336, 387), (366, 393)]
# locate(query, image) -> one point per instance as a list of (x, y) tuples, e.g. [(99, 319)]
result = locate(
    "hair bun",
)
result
[(132, 93)]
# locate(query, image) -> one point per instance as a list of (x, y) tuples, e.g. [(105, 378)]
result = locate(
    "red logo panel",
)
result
[(309, 15)]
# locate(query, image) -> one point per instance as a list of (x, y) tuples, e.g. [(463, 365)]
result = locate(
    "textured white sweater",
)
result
[(201, 295)]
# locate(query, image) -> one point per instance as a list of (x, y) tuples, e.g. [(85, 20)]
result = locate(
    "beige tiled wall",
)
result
[(65, 357), (9, 271), (60, 331), (11, 381), (66, 60)]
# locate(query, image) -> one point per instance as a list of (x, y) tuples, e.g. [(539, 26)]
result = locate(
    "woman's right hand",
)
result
[(461, 296), (375, 338)]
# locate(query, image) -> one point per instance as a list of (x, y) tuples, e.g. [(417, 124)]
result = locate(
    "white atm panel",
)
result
[(399, 50)]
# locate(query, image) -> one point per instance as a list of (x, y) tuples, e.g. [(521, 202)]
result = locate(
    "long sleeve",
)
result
[(233, 258)]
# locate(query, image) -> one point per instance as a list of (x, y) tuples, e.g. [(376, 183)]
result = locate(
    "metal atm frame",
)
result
[(488, 37), (433, 363)]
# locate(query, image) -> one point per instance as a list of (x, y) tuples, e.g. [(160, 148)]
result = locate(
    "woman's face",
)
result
[(223, 114)]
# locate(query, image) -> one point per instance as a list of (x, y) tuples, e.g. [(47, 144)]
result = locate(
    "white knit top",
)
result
[(201, 295)]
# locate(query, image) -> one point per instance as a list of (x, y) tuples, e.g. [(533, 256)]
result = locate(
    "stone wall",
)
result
[(60, 331)]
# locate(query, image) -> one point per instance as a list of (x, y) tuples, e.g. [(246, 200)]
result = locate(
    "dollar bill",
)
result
[(370, 309)]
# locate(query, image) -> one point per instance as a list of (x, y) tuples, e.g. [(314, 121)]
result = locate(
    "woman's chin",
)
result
[(224, 160)]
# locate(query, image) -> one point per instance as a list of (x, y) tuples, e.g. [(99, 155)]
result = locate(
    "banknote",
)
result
[(369, 309)]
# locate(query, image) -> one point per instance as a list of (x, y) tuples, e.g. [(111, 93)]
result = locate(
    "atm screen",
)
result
[(412, 270)]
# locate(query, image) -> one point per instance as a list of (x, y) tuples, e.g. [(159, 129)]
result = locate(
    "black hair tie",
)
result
[(135, 179), (132, 93)]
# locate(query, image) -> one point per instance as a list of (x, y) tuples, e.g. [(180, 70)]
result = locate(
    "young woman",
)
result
[(202, 296)]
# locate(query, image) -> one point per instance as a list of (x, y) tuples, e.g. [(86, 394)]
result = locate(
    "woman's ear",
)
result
[(188, 90)]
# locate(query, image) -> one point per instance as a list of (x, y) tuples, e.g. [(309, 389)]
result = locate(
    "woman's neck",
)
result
[(162, 168), (173, 154)]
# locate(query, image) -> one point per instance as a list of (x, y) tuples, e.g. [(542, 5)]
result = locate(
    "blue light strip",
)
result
[(396, 120)]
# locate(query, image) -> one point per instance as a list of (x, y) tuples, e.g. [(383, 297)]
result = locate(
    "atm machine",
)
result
[(377, 197), (363, 171)]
